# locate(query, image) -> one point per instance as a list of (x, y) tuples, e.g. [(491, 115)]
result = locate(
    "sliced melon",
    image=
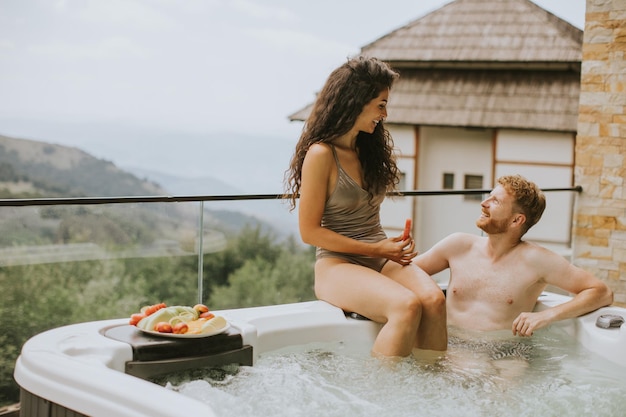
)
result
[(215, 324)]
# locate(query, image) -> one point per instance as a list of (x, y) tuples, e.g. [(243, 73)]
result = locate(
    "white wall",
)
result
[(450, 150), (395, 211), (535, 146), (547, 159)]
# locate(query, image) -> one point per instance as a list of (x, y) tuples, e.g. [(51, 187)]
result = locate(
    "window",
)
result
[(448, 181), (402, 182), (473, 182)]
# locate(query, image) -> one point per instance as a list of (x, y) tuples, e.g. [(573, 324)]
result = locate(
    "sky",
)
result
[(194, 66)]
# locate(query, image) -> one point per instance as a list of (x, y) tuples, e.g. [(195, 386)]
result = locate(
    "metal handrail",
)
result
[(22, 202)]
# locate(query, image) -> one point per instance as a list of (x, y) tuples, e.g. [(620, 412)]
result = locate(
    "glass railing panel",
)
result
[(99, 261), (64, 264), (265, 261)]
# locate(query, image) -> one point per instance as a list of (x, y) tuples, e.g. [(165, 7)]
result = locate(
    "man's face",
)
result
[(496, 211)]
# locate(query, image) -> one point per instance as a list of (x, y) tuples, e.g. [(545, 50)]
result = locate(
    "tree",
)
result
[(257, 271), (287, 278)]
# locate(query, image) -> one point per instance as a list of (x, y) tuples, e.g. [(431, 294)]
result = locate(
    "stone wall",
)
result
[(599, 229)]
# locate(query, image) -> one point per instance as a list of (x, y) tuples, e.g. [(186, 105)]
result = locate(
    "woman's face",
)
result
[(373, 112)]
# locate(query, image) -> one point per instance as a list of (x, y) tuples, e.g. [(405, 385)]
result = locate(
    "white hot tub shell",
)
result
[(79, 369)]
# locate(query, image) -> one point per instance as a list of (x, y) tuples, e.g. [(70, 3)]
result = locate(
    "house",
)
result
[(486, 88)]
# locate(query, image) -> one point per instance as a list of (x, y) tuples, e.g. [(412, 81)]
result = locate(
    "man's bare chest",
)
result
[(479, 279)]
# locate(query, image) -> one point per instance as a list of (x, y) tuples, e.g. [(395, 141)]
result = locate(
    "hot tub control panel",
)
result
[(606, 321)]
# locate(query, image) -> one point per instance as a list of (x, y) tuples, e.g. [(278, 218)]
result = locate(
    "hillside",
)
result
[(31, 168), (35, 169), (177, 185)]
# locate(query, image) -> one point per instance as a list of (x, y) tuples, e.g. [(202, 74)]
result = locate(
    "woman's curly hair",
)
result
[(342, 99)]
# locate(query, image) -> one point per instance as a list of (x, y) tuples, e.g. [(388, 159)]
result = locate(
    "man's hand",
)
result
[(526, 323)]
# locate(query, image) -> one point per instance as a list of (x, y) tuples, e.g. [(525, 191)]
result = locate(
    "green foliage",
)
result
[(23, 226), (7, 172), (170, 280), (276, 274), (109, 227), (251, 243), (40, 297), (252, 270)]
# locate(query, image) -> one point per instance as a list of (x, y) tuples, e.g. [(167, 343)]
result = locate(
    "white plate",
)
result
[(185, 335)]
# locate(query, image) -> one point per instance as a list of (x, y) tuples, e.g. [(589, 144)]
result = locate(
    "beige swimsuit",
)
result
[(350, 212)]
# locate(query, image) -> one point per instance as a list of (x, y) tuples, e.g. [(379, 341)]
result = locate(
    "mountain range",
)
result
[(39, 169), (182, 163), (32, 169)]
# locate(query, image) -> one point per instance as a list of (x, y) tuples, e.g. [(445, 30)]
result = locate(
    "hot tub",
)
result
[(93, 368)]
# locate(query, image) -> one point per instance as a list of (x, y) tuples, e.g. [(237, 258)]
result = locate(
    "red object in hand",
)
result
[(407, 229)]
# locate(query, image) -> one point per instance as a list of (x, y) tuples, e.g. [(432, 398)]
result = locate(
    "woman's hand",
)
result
[(397, 250)]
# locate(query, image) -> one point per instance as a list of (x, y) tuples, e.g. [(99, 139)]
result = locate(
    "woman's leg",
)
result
[(432, 332), (357, 288)]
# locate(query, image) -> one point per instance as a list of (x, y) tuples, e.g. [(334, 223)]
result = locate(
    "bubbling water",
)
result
[(546, 375)]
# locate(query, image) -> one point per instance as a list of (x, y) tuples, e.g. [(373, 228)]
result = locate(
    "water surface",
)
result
[(546, 375)]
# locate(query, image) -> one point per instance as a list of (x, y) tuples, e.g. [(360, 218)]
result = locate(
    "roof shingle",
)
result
[(546, 100), (483, 63), (482, 30)]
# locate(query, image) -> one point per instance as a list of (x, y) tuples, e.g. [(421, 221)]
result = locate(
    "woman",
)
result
[(342, 168)]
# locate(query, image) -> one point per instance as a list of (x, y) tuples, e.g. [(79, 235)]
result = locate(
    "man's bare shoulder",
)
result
[(533, 252), (448, 249), (543, 260), (460, 240)]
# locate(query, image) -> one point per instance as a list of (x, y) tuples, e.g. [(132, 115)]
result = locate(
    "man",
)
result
[(495, 280)]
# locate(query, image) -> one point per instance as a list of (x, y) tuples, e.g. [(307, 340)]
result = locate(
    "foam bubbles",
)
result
[(509, 377)]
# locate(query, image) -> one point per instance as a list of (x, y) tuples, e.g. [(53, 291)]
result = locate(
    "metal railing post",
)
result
[(200, 252)]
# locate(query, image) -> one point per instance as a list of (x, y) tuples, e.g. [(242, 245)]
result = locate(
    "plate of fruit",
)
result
[(178, 321)]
